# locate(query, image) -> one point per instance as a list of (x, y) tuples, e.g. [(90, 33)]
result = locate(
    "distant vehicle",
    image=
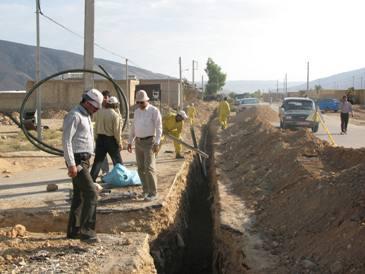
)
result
[(329, 104), (298, 112), (247, 103)]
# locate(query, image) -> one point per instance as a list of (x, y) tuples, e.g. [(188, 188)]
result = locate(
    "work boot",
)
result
[(90, 240), (179, 156)]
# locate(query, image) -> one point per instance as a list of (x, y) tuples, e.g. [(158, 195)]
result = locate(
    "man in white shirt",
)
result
[(146, 130)]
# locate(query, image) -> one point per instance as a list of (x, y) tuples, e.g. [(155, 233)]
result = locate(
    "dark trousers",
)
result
[(82, 218), (344, 121), (105, 144)]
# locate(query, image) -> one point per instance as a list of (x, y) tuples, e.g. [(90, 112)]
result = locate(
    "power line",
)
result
[(82, 37)]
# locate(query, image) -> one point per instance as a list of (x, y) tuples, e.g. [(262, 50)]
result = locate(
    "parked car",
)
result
[(329, 104), (298, 112)]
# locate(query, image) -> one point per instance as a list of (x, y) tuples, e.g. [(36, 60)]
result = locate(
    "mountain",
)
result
[(17, 65), (242, 86), (344, 80)]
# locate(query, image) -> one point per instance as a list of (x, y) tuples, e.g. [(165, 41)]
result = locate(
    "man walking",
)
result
[(108, 129), (146, 130), (78, 146), (223, 112), (191, 113), (346, 109)]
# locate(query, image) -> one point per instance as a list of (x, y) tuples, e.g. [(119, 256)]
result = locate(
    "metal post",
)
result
[(127, 81), (168, 91), (193, 80), (37, 75), (181, 92), (362, 78), (307, 77), (277, 86), (202, 84), (89, 43)]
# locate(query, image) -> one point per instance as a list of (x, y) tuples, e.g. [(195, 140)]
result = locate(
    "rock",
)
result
[(17, 231), (8, 257), (52, 187), (308, 264), (275, 244), (336, 267)]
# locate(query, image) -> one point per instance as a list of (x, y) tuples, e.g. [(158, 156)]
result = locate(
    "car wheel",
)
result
[(315, 128), (335, 110)]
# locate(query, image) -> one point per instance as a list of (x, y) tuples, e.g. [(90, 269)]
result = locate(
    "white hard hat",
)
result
[(141, 96), (112, 100), (182, 114), (95, 97)]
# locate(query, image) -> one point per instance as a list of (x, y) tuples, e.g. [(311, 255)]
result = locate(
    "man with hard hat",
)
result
[(173, 125), (108, 131), (223, 112), (191, 113), (146, 131), (78, 146)]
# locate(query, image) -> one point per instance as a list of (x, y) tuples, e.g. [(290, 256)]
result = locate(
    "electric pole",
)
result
[(180, 93), (38, 74), (127, 80), (307, 77), (202, 84), (89, 43), (277, 86), (193, 80)]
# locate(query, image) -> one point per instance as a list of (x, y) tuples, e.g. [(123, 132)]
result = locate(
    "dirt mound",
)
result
[(308, 198)]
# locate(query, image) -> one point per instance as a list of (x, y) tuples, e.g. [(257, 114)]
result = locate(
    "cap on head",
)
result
[(94, 97), (182, 114), (141, 96), (112, 100)]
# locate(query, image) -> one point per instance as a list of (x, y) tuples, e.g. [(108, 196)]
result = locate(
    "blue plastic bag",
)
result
[(120, 176)]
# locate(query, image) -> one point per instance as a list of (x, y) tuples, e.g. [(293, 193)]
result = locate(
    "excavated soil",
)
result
[(305, 198)]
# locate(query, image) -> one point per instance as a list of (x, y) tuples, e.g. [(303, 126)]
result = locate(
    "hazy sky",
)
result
[(249, 39)]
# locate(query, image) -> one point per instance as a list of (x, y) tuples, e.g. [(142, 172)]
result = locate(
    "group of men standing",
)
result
[(146, 132)]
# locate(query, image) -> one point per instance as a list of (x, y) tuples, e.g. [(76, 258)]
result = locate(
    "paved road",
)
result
[(355, 137)]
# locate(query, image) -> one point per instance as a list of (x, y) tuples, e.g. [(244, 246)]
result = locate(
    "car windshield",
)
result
[(249, 101), (298, 104)]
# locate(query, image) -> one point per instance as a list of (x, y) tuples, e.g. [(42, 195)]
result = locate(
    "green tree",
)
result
[(318, 88), (232, 95), (216, 78)]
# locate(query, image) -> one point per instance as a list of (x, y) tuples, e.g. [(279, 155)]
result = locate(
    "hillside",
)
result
[(241, 86), (17, 65)]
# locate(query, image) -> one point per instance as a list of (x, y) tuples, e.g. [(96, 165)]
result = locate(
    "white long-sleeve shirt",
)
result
[(147, 122), (78, 136)]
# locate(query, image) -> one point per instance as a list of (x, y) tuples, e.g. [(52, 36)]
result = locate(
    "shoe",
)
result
[(90, 240), (179, 156), (73, 236), (342, 133)]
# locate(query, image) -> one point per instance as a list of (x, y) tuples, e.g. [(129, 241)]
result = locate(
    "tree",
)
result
[(216, 78), (317, 88), (232, 95)]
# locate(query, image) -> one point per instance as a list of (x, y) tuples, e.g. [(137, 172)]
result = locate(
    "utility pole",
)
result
[(202, 84), (277, 86), (168, 91), (362, 78), (38, 74), (286, 84), (127, 80), (89, 43), (353, 81), (181, 92), (193, 80), (307, 77)]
